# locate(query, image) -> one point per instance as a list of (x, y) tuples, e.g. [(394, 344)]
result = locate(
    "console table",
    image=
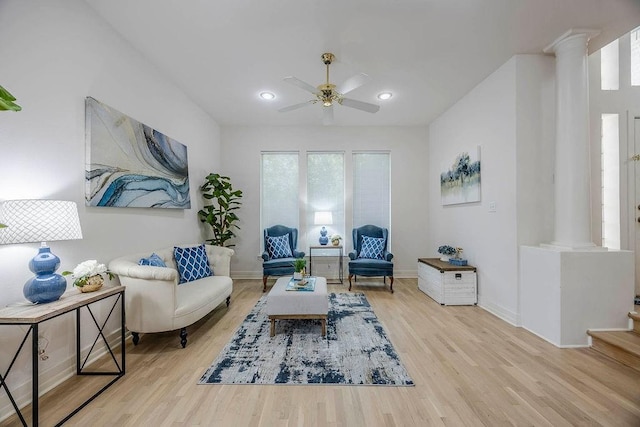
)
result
[(32, 315), (338, 248)]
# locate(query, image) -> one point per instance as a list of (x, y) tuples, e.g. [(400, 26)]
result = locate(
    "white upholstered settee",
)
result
[(156, 302)]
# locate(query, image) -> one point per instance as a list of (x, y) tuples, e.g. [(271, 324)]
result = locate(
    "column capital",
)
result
[(572, 33)]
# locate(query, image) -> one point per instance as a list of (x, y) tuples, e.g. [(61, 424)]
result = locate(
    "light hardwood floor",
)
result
[(469, 367)]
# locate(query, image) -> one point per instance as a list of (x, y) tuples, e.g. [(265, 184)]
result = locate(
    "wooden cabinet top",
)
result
[(445, 266)]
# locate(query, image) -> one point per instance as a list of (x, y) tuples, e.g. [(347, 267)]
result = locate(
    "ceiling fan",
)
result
[(327, 93)]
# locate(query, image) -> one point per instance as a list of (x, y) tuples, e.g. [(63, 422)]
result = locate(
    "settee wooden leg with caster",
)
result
[(183, 337), (228, 300), (135, 338)]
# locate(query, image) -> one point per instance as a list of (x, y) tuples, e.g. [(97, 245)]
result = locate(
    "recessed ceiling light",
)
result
[(385, 95), (267, 95)]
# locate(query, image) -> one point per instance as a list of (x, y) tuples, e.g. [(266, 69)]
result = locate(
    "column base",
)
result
[(563, 293)]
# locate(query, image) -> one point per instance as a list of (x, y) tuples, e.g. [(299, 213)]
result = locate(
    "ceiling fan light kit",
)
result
[(327, 93)]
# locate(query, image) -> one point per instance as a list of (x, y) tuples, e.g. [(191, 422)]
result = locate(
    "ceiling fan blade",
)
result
[(295, 106), (352, 83), (302, 85), (364, 106), (327, 115)]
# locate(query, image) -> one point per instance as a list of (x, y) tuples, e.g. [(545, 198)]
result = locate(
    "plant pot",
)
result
[(444, 258), (93, 284), (297, 275)]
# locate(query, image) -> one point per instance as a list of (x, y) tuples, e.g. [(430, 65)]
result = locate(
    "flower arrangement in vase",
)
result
[(88, 275), (446, 251), (335, 239)]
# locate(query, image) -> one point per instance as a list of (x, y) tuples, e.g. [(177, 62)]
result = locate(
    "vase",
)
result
[(93, 284), (444, 258), (335, 242)]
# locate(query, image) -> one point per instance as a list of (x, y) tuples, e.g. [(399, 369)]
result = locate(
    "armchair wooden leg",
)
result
[(264, 283), (350, 275), (391, 283)]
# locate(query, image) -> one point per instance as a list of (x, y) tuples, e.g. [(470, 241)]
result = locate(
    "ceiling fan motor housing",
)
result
[(328, 58)]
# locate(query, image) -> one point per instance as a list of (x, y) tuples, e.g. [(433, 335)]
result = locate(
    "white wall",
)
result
[(241, 148), (53, 56), (507, 115)]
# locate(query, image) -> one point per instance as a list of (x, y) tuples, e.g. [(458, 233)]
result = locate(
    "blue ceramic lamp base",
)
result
[(323, 236), (47, 286)]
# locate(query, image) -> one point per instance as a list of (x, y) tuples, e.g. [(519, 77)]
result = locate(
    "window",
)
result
[(279, 186), (325, 193), (371, 189), (609, 67), (610, 174), (635, 57)]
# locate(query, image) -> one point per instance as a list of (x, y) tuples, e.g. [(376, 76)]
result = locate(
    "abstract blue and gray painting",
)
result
[(132, 165)]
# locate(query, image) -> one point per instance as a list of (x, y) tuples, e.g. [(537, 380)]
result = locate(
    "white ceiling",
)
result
[(429, 53)]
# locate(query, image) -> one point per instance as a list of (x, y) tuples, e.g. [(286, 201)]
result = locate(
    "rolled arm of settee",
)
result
[(130, 269)]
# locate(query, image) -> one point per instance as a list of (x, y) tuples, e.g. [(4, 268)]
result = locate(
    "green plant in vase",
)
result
[(299, 266)]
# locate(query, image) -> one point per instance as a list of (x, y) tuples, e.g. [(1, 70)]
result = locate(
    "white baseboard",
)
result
[(255, 275), (506, 315)]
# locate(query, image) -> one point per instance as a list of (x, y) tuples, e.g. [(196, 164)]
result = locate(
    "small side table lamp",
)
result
[(30, 221), (323, 218)]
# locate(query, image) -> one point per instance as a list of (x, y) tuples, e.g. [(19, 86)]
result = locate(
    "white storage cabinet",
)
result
[(448, 284)]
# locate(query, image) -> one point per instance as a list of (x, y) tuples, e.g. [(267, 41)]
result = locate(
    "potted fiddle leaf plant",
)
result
[(6, 101), (221, 213)]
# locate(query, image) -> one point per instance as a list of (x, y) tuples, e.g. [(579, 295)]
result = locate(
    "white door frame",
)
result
[(631, 211)]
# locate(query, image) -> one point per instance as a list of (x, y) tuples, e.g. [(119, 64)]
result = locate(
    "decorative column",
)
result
[(572, 179)]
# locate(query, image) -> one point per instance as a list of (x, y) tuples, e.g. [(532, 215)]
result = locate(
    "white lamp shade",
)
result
[(39, 221), (323, 218)]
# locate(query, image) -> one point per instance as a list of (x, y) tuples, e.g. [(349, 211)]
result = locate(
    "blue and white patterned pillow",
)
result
[(372, 247), (278, 247), (154, 260), (192, 263)]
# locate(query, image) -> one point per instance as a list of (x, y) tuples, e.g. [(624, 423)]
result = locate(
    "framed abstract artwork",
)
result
[(461, 183), (130, 165)]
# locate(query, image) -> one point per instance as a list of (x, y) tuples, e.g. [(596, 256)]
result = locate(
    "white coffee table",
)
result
[(283, 304)]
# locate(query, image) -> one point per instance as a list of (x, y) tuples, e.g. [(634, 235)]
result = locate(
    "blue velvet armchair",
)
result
[(372, 261), (283, 265)]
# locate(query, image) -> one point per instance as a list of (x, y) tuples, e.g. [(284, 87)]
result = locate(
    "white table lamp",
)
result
[(323, 218)]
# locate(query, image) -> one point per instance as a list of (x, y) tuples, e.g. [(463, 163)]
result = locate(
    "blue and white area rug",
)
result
[(356, 350)]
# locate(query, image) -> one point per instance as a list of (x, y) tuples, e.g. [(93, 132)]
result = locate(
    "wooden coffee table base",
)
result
[(322, 317)]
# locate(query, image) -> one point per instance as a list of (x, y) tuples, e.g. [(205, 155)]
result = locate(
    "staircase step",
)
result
[(636, 321), (623, 346)]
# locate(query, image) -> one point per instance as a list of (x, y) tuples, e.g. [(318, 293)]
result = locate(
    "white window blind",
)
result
[(280, 190), (635, 57), (325, 193), (610, 66), (371, 189), (610, 173)]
